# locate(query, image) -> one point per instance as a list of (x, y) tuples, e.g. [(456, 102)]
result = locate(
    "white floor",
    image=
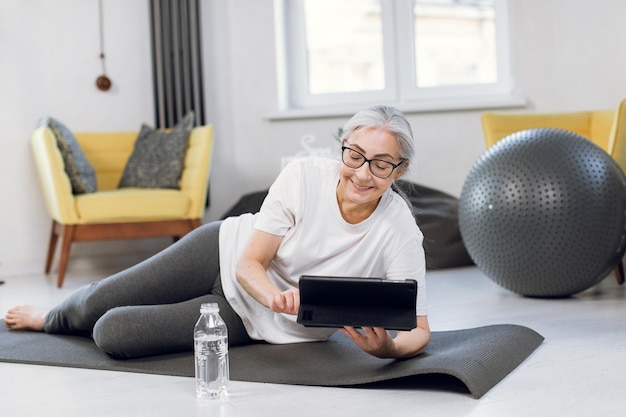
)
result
[(580, 369)]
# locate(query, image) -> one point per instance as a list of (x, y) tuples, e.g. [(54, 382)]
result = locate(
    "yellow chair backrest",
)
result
[(107, 153), (617, 141), (605, 128)]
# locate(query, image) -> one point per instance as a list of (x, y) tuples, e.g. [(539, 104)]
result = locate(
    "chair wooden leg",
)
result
[(193, 224), (68, 237), (619, 273), (51, 246)]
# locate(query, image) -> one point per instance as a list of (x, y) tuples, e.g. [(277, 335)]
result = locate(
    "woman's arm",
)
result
[(378, 342), (251, 274)]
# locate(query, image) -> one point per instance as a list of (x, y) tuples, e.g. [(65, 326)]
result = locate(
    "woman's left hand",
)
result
[(374, 340), (378, 342)]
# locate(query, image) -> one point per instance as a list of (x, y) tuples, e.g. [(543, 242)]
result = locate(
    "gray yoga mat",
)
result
[(479, 358)]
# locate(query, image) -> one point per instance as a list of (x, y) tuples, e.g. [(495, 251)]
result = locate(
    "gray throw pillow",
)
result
[(79, 170), (158, 157)]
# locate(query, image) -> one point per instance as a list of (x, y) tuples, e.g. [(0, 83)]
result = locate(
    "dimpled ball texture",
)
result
[(543, 213)]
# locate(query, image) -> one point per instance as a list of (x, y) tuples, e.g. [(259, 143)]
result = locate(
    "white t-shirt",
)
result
[(302, 206)]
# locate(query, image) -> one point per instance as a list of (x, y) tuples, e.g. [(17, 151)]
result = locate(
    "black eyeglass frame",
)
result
[(369, 162)]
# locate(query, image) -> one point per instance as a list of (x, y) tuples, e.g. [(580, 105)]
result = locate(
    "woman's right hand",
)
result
[(287, 302)]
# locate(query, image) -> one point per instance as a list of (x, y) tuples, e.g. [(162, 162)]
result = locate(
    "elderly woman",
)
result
[(320, 217)]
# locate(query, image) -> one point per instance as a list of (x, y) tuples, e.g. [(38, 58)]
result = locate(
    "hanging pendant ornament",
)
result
[(102, 82)]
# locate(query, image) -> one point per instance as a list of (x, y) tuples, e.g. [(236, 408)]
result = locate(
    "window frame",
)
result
[(401, 89)]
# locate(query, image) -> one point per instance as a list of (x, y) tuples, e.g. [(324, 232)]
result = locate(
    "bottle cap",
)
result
[(209, 308)]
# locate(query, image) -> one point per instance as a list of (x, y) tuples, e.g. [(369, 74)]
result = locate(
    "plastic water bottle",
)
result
[(211, 354)]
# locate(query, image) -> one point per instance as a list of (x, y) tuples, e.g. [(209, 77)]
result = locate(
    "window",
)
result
[(421, 54)]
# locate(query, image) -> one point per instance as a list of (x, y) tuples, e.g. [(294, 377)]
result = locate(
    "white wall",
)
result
[(567, 56)]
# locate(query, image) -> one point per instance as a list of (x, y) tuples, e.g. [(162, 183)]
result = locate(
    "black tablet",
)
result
[(327, 301)]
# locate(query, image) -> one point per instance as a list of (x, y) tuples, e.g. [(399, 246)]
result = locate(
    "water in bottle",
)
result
[(211, 354)]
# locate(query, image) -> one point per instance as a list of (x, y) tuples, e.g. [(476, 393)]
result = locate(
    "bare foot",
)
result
[(25, 318)]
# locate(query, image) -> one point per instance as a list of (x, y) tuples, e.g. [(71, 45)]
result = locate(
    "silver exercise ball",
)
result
[(543, 213)]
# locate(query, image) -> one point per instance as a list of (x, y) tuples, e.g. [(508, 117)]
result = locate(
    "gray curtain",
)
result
[(176, 61)]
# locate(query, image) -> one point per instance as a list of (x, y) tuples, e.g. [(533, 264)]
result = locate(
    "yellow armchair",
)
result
[(605, 128), (112, 213)]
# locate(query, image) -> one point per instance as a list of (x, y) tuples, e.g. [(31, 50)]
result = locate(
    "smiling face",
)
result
[(359, 190)]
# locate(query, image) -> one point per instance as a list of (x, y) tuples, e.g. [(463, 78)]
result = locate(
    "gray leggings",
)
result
[(151, 308)]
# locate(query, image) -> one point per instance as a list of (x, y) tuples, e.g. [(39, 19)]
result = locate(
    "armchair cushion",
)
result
[(132, 205), (158, 157), (79, 170)]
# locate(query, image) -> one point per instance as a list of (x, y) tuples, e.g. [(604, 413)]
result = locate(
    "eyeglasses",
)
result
[(378, 167)]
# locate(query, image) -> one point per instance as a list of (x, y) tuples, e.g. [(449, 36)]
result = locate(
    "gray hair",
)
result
[(385, 117)]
